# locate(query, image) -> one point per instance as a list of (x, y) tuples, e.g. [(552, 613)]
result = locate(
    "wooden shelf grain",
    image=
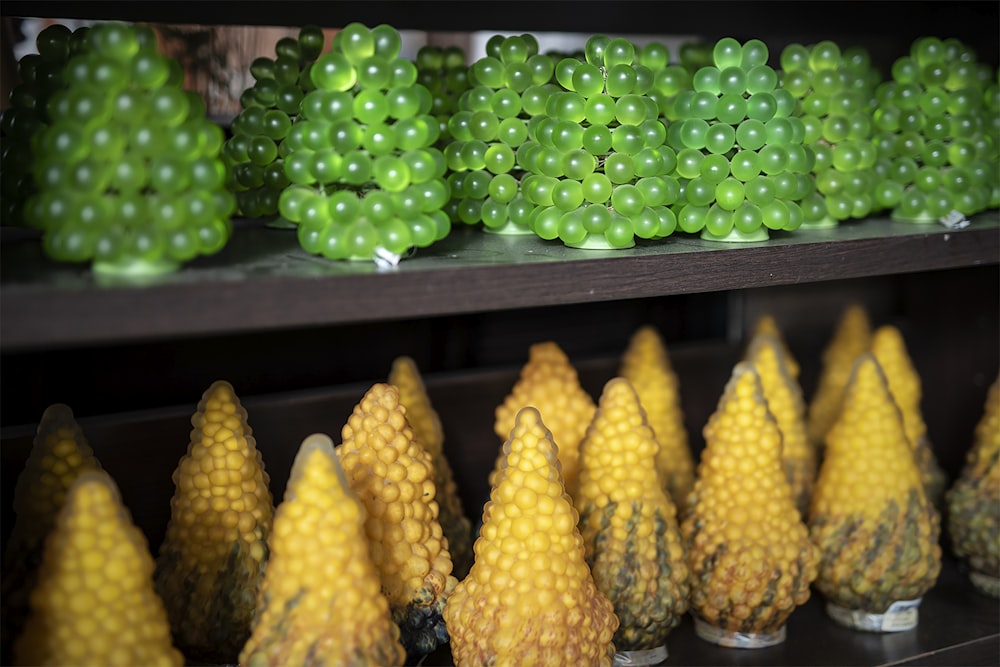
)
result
[(263, 280)]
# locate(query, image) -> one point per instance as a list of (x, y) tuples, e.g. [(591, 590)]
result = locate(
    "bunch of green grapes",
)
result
[(129, 169), (365, 176), (936, 133), (741, 157), (256, 148), (443, 70), (40, 77), (836, 95), (600, 174), (508, 88)]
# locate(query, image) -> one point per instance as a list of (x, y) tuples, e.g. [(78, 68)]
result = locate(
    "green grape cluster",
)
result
[(835, 91), (128, 170), (742, 161), (256, 148), (598, 172), (40, 77), (508, 89), (443, 70), (936, 133), (695, 54), (365, 176)]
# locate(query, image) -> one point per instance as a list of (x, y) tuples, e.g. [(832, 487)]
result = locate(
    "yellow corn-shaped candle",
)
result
[(549, 382), (766, 325), (393, 475), (94, 603), (59, 453), (749, 551), (211, 563), (426, 425), (785, 402), (869, 514), (890, 351), (646, 364), (851, 338), (530, 599), (629, 522), (321, 601), (974, 497)]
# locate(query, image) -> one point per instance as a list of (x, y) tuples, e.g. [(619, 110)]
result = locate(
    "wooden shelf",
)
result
[(263, 280)]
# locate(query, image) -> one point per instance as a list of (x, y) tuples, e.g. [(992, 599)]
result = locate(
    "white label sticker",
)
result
[(954, 220)]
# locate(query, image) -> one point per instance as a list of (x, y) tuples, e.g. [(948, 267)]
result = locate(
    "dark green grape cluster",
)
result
[(443, 70), (836, 95), (41, 76), (599, 173), (741, 158), (508, 88), (365, 175), (936, 133), (129, 169), (695, 54), (256, 149)]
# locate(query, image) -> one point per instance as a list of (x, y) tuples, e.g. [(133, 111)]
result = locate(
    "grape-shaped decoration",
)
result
[(742, 164), (508, 89), (835, 91), (599, 173), (365, 177), (129, 171), (265, 132), (935, 132)]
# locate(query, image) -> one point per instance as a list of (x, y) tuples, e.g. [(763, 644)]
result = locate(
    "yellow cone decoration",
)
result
[(646, 365), (393, 476), (890, 351), (629, 522), (321, 601), (973, 501), (211, 563), (851, 338), (426, 424), (95, 603), (530, 599), (549, 382), (749, 551), (766, 325), (870, 515), (59, 453), (785, 402)]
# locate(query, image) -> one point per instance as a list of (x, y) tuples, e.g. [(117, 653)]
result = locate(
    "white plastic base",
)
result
[(731, 639), (899, 617)]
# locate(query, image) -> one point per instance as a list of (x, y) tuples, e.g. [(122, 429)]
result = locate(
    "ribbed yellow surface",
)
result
[(629, 522), (767, 325), (785, 402), (869, 514), (59, 453), (646, 364), (749, 551), (850, 338), (212, 559), (427, 429), (530, 599), (393, 476), (94, 603), (321, 600), (889, 349)]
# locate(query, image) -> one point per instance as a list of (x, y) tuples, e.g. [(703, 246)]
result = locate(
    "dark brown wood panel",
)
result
[(263, 280)]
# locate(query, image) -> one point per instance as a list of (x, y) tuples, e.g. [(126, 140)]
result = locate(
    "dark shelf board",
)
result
[(263, 280)]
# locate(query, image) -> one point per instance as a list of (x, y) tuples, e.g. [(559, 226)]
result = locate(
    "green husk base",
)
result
[(736, 236), (134, 268), (922, 218), (826, 222), (597, 242), (508, 229)]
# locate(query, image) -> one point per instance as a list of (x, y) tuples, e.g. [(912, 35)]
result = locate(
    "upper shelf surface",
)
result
[(264, 280)]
